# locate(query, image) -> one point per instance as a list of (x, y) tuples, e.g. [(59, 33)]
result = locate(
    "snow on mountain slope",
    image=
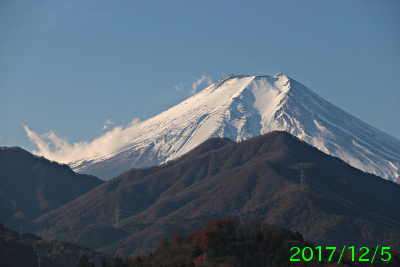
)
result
[(240, 107)]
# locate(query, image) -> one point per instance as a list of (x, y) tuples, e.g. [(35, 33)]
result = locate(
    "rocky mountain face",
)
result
[(241, 107)]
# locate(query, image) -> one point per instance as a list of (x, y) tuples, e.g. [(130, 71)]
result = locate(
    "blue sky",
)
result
[(68, 67)]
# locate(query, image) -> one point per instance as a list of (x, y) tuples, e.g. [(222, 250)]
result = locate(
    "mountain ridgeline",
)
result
[(240, 107), (275, 178), (21, 251), (31, 186)]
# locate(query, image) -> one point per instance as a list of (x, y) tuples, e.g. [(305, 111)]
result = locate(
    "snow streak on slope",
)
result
[(240, 107)]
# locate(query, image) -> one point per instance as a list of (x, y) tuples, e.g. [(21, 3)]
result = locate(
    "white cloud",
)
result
[(192, 86), (183, 86), (134, 122), (107, 123), (199, 81), (54, 147)]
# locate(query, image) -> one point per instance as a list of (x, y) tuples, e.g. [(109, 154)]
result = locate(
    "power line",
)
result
[(302, 179), (327, 193)]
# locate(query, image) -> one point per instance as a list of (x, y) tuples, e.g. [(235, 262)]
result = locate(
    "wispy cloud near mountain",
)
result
[(52, 146), (107, 123), (196, 84), (191, 86)]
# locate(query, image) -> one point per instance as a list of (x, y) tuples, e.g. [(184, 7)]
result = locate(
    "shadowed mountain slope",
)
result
[(31, 186), (333, 204), (17, 252)]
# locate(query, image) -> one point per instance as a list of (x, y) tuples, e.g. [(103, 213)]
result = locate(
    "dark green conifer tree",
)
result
[(85, 262), (118, 262), (104, 261)]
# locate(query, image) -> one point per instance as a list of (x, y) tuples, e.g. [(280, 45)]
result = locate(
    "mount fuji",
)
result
[(240, 107)]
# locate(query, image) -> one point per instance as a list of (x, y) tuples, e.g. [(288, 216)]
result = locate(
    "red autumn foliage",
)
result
[(215, 229), (202, 258), (178, 237), (163, 246)]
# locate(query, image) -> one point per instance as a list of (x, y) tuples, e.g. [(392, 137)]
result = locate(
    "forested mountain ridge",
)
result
[(333, 204), (31, 186), (22, 250)]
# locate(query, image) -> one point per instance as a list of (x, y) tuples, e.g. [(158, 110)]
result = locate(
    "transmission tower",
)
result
[(302, 179), (40, 259)]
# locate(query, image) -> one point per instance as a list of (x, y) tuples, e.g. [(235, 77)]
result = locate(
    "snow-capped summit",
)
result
[(240, 107)]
